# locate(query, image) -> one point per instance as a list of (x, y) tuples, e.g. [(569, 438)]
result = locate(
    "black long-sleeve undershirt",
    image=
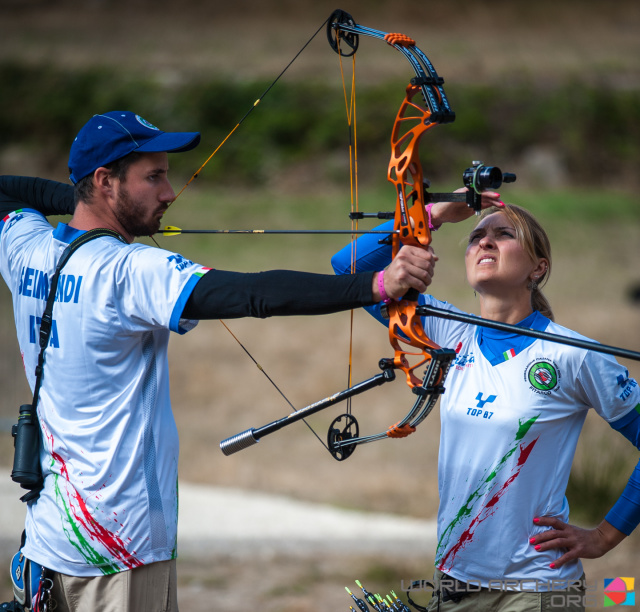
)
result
[(43, 195), (219, 294)]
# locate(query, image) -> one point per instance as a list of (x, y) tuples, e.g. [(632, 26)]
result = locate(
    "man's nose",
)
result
[(168, 194)]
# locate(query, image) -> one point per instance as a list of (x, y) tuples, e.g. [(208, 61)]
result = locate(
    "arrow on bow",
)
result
[(171, 230)]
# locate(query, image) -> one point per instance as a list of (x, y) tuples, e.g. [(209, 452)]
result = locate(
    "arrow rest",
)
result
[(349, 431)]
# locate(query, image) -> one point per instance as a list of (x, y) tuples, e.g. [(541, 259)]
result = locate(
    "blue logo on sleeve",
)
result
[(180, 261), (627, 384)]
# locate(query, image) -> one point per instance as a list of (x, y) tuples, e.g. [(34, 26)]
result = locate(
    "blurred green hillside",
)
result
[(548, 90)]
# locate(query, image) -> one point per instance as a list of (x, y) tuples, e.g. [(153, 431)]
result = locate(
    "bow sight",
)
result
[(481, 178), (477, 179)]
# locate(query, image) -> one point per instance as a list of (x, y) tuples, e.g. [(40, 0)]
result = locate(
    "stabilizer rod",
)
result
[(433, 311), (252, 436)]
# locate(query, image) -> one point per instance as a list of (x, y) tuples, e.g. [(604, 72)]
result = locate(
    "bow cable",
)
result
[(350, 109)]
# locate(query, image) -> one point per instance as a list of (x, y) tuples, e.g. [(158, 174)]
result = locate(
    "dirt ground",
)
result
[(216, 391)]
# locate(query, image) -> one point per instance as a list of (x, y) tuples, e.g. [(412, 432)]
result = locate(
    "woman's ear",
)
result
[(540, 270)]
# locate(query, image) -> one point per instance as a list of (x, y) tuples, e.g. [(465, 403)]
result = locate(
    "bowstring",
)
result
[(286, 399), (350, 108)]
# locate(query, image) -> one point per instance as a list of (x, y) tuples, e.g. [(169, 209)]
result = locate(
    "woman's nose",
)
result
[(486, 242)]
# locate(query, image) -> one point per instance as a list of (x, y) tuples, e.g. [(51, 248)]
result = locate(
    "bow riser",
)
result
[(412, 225), (406, 174)]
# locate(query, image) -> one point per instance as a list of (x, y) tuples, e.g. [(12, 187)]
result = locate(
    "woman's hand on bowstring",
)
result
[(577, 543)]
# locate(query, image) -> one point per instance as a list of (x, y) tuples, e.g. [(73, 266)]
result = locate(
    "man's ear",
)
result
[(104, 182)]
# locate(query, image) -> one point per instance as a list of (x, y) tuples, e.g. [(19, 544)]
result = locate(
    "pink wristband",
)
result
[(383, 294), (432, 227)]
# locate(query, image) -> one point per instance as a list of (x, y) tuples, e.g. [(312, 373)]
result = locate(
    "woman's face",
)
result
[(495, 261)]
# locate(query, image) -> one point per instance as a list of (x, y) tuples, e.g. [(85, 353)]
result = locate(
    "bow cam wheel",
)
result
[(348, 43), (349, 431)]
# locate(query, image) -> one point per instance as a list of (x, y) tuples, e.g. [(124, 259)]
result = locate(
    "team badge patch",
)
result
[(543, 375), (146, 123)]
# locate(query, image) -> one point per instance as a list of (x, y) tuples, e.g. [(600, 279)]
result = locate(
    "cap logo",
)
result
[(146, 123)]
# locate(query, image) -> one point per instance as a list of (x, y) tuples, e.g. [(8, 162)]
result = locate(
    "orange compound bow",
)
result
[(413, 349)]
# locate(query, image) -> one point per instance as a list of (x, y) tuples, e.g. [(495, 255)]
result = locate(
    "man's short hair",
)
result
[(85, 188)]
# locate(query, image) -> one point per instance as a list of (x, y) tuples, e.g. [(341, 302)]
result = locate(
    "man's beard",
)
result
[(130, 213)]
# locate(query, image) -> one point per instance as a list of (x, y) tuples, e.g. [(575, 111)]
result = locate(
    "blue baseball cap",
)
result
[(108, 137)]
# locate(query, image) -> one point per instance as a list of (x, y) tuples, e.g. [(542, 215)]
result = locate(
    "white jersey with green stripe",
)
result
[(110, 443), (511, 418)]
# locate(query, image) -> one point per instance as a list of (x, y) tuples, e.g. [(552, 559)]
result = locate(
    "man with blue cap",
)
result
[(113, 141), (104, 521)]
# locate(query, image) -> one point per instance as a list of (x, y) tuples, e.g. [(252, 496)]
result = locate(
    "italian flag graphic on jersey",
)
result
[(201, 271), (482, 502), (82, 529)]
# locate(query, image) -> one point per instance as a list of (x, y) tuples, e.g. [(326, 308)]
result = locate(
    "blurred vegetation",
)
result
[(592, 132), (599, 476)]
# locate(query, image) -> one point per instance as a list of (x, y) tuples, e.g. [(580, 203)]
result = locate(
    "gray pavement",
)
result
[(216, 520)]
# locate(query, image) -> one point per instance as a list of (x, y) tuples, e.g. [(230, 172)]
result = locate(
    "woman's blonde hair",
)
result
[(534, 240)]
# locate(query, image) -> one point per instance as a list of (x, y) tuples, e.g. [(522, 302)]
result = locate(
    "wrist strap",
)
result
[(383, 294), (432, 227)]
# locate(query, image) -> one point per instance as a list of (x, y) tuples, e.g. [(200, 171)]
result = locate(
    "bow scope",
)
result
[(480, 178)]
